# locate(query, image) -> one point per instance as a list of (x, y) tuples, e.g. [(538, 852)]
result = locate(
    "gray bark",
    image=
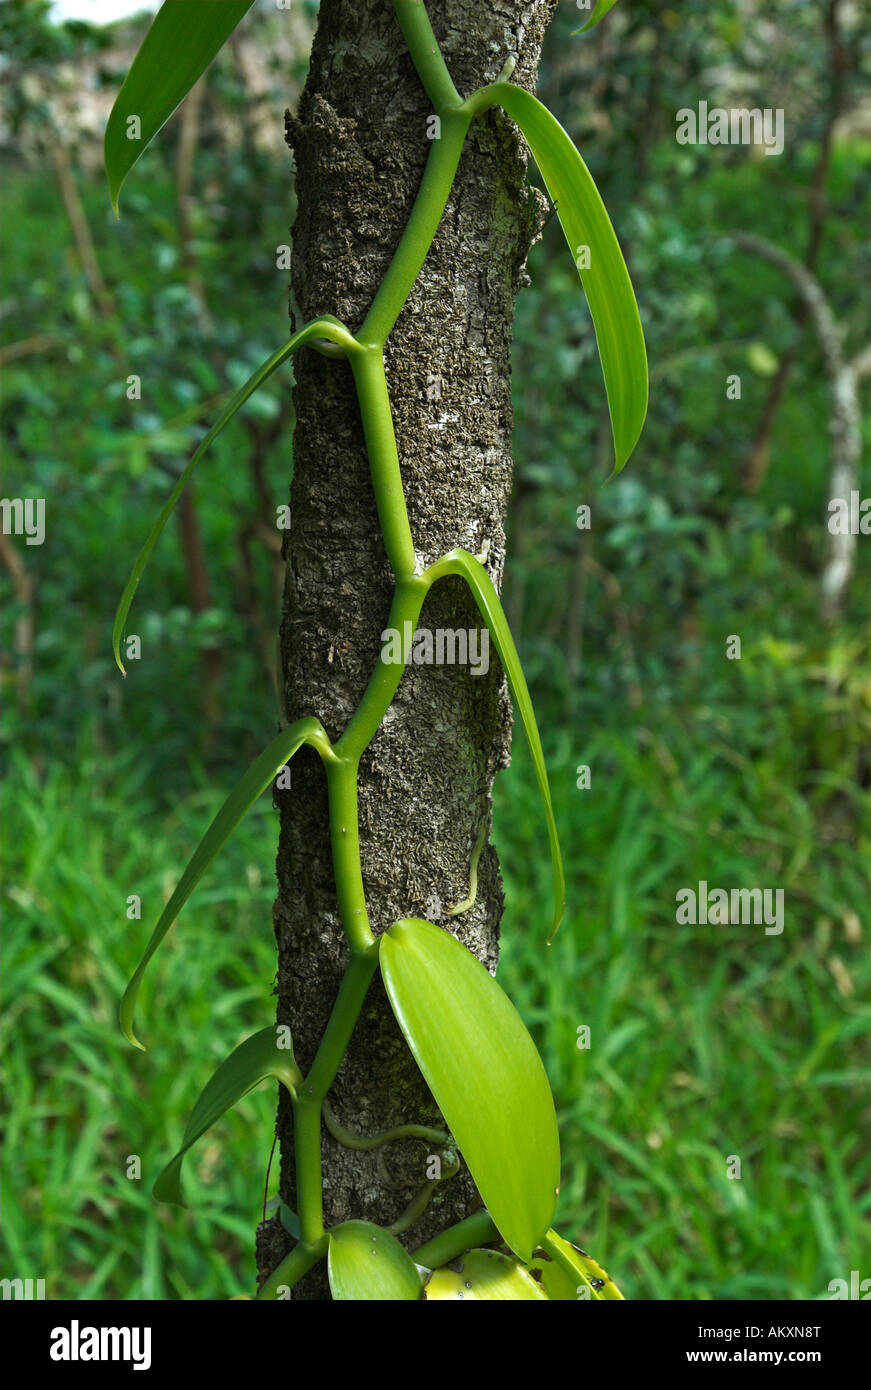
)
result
[(360, 142)]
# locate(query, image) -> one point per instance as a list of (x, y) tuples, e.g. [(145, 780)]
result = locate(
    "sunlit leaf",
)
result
[(606, 282), (483, 1274), (258, 777), (183, 39), (325, 327), (482, 1067), (257, 1058), (366, 1262), (568, 1273), (602, 8), (462, 563), (555, 1282)]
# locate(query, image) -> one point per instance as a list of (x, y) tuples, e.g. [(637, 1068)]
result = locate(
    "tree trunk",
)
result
[(360, 142)]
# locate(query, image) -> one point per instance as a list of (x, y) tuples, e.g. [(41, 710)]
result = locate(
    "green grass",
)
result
[(706, 1043), (82, 1101)]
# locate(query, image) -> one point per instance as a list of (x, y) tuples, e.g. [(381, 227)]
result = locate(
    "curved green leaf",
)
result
[(572, 1270), (606, 282), (366, 1262), (462, 563), (183, 39), (553, 1279), (483, 1274), (241, 799), (599, 13), (482, 1067), (325, 327), (255, 1059)]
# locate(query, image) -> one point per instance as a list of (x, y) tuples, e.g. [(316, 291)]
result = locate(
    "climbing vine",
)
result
[(466, 1036)]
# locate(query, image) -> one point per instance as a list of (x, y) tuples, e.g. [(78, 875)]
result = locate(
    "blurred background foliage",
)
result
[(707, 1042)]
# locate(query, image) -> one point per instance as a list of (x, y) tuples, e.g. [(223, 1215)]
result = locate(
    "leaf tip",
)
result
[(164, 1190), (117, 634), (127, 1022), (114, 186)]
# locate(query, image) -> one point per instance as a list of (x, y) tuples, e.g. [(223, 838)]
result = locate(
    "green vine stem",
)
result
[(366, 358), (469, 900), (180, 42), (308, 1102), (477, 1229), (301, 1259), (420, 1201), (350, 1140)]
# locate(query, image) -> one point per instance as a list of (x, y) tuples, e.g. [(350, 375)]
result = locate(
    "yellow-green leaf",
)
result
[(183, 39), (365, 1262), (569, 1273), (482, 1067), (462, 563), (605, 279), (238, 803), (602, 8), (483, 1274), (258, 1057), (324, 327)]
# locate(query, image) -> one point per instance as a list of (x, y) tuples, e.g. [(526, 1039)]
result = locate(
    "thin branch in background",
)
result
[(184, 171), (86, 251), (24, 583), (845, 426), (756, 464), (27, 347)]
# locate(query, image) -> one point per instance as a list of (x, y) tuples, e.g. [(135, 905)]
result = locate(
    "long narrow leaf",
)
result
[(483, 1069), (183, 39), (238, 803), (606, 282), (462, 563), (318, 328), (598, 14), (255, 1059)]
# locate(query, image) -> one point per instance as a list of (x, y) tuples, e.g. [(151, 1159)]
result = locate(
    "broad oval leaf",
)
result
[(255, 1059), (365, 1262), (606, 282), (238, 803), (566, 1272), (462, 563), (325, 327), (482, 1067), (602, 8), (483, 1274), (183, 39)]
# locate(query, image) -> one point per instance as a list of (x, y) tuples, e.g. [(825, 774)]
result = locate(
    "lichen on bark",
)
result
[(360, 140)]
